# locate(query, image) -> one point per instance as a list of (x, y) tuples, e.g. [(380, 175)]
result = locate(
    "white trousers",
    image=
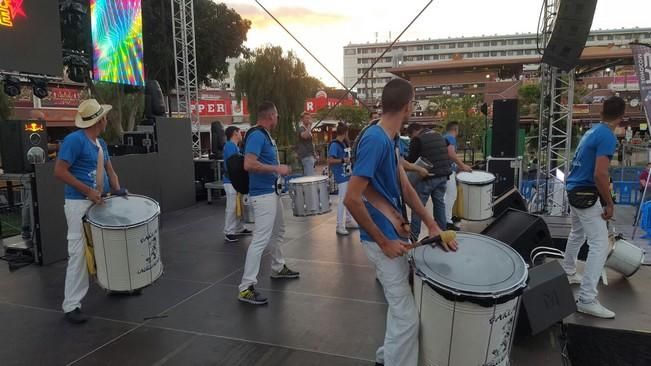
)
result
[(343, 216), (450, 196), (76, 285), (308, 165), (232, 225), (587, 223), (269, 231), (401, 338)]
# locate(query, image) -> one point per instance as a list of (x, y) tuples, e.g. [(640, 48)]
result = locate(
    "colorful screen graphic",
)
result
[(117, 41), (30, 37)]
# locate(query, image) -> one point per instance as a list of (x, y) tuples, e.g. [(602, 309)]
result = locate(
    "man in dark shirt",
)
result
[(431, 146)]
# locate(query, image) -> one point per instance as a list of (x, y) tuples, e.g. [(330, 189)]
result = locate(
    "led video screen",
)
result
[(117, 41), (30, 37)]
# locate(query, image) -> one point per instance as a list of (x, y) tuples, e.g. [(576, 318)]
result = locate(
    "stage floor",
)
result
[(333, 315)]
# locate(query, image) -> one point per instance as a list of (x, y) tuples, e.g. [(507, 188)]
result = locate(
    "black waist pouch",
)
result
[(583, 197)]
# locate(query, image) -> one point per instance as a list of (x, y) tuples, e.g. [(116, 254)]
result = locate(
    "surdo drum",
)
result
[(125, 233), (468, 301), (310, 195), (624, 257), (475, 195)]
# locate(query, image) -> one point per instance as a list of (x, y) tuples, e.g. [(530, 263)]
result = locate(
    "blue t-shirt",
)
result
[(598, 141), (81, 153), (260, 144), (230, 149), (336, 150), (452, 141), (376, 160)]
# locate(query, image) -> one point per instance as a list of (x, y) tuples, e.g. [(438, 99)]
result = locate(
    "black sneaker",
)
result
[(230, 238), (245, 232), (451, 226), (285, 273), (76, 317), (379, 364), (252, 296), (456, 219)]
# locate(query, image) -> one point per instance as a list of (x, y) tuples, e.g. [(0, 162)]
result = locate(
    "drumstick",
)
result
[(429, 240)]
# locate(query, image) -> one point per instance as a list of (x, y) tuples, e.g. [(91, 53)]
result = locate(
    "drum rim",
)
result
[(520, 284), (318, 179), (124, 227), (489, 181)]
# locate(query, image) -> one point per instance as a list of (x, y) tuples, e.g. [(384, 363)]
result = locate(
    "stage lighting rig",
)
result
[(77, 66), (12, 86), (39, 87)]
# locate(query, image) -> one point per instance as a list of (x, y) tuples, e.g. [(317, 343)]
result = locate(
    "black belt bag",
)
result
[(583, 197)]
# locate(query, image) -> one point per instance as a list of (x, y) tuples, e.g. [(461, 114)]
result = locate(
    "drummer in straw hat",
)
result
[(83, 165)]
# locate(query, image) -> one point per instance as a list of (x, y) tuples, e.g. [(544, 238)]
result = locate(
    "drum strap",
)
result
[(99, 172)]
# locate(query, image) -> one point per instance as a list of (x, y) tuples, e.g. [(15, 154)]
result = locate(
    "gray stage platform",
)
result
[(333, 315)]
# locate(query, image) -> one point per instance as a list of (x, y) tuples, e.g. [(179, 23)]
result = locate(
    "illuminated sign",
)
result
[(34, 127), (9, 11)]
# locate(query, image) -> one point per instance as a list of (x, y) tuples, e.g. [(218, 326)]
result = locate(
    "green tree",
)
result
[(464, 110), (128, 108), (281, 78), (219, 30), (354, 116), (529, 98)]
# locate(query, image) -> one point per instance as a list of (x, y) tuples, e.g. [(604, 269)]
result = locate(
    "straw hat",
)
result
[(89, 112)]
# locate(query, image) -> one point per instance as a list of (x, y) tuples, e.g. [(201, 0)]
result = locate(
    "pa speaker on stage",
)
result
[(511, 199), (521, 231), (217, 139), (22, 144), (571, 29), (546, 300), (506, 117)]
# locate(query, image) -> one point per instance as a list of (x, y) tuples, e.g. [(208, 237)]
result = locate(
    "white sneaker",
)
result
[(351, 225), (342, 231), (594, 308), (575, 279)]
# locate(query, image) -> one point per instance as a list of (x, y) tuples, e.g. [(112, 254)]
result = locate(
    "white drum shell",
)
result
[(476, 201), (127, 258), (463, 333), (310, 196), (625, 258)]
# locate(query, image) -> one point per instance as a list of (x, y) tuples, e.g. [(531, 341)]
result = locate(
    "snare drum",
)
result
[(625, 258), (310, 195), (468, 301), (125, 233), (475, 195)]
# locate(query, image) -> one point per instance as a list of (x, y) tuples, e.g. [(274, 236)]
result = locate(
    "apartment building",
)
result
[(359, 57)]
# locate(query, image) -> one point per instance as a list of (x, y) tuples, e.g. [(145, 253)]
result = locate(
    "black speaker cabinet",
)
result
[(571, 29), (22, 144), (504, 176), (520, 230), (506, 118), (217, 140), (511, 199), (546, 300)]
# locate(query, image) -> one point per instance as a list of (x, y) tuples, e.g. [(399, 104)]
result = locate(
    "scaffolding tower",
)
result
[(554, 126), (185, 65)]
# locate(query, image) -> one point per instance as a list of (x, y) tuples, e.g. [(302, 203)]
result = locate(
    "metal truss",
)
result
[(185, 65), (554, 126)]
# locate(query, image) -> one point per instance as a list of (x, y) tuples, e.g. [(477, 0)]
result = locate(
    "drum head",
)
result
[(122, 212), (476, 177), (481, 265), (311, 179)]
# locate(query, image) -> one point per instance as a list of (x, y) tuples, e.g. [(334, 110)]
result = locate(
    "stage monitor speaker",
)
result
[(154, 100), (511, 199), (506, 118), (571, 30), (22, 144), (521, 231), (547, 299), (217, 140)]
